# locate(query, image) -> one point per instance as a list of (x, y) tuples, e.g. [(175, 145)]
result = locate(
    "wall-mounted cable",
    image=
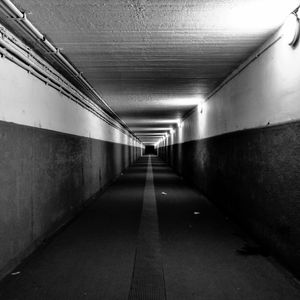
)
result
[(27, 27)]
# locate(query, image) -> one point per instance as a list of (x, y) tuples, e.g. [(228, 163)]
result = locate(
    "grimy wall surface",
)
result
[(242, 148), (54, 156)]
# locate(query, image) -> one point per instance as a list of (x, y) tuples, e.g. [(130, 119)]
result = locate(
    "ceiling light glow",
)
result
[(137, 121), (180, 124), (256, 16), (181, 102)]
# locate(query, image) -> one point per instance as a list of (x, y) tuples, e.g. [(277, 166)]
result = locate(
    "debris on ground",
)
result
[(15, 273)]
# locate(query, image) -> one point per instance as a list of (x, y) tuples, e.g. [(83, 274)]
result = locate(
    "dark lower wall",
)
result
[(254, 175), (45, 178)]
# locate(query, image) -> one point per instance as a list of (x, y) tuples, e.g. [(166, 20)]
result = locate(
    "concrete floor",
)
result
[(149, 236)]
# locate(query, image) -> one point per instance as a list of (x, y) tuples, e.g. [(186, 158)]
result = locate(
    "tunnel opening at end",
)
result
[(150, 150)]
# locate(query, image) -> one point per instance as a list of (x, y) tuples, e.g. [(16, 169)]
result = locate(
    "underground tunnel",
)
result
[(149, 149)]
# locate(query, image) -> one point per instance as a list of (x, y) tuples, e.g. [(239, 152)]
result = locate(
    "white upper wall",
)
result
[(26, 100), (266, 92)]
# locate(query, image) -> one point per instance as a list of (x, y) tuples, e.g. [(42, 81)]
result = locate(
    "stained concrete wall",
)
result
[(242, 148), (54, 156)]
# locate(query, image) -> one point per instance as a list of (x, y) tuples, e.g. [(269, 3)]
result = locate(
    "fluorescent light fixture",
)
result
[(136, 121), (255, 16), (144, 129), (200, 106), (180, 124), (180, 102), (290, 29), (149, 133)]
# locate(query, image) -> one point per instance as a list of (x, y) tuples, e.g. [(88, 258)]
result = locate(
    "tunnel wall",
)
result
[(242, 148), (54, 157)]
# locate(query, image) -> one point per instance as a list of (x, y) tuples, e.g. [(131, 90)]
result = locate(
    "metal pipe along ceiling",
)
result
[(14, 50), (63, 61)]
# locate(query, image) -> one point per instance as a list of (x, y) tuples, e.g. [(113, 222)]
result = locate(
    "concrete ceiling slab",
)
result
[(153, 60)]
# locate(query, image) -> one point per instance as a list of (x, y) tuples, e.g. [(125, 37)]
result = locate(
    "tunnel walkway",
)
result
[(149, 236)]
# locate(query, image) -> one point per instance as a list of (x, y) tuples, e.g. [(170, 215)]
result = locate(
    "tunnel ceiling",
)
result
[(153, 60)]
